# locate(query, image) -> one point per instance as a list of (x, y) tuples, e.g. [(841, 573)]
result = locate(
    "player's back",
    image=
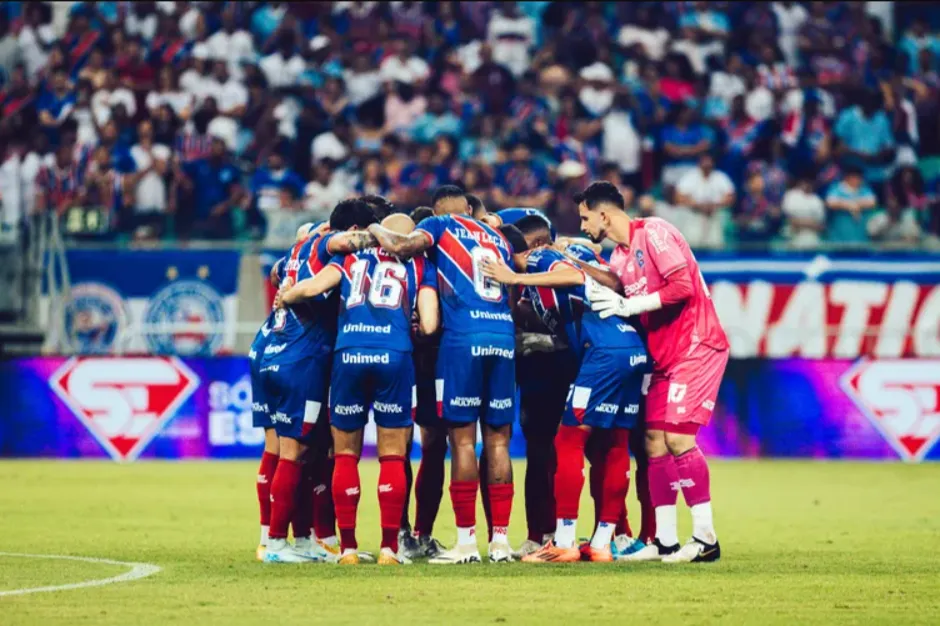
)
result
[(378, 295), (513, 215), (583, 327), (659, 249), (471, 303)]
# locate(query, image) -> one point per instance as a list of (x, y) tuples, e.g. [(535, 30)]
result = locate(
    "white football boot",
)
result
[(695, 551), (312, 550), (279, 551), (500, 552), (651, 552), (457, 555), (528, 547)]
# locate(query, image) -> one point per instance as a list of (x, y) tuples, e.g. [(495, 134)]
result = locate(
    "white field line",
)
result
[(137, 571)]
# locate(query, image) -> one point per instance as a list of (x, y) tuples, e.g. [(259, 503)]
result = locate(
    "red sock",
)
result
[(641, 480), (283, 489), (664, 480), (392, 492), (463, 496), (324, 517), (501, 506), (596, 452), (265, 479), (569, 473), (302, 519), (692, 469), (346, 498), (429, 489), (616, 477)]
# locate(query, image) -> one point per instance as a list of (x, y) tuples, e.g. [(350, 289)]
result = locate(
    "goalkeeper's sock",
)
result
[(695, 481), (664, 483)]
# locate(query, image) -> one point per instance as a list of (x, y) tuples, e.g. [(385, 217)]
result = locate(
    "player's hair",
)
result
[(353, 212), (515, 238), (476, 204), (600, 192), (532, 224), (447, 191), (421, 213), (382, 206)]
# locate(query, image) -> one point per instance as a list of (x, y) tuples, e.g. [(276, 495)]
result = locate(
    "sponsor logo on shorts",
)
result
[(632, 409), (368, 328), (626, 328), (275, 348), (348, 409), (503, 353), (487, 315), (270, 368), (466, 403), (252, 355), (258, 407), (280, 417), (386, 407), (639, 258), (502, 403), (366, 359), (607, 407), (637, 359)]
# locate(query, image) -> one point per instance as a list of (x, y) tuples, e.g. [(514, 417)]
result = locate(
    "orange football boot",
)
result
[(550, 553)]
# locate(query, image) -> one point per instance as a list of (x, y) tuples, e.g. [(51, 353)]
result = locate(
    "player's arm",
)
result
[(350, 242), (603, 275), (564, 242), (678, 289), (561, 275), (403, 246), (429, 316), (274, 276), (326, 279)]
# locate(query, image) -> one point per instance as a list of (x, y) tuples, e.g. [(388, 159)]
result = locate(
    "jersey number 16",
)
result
[(386, 286)]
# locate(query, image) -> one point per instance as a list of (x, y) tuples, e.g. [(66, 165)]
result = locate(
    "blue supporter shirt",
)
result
[(471, 303), (685, 138), (521, 180), (843, 226), (511, 216), (378, 294), (868, 136), (414, 176), (212, 183), (568, 308), (267, 186), (429, 127)]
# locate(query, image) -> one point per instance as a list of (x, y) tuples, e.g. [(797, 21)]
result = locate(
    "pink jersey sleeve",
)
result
[(662, 249)]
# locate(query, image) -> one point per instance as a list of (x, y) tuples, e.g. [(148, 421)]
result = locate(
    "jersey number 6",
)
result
[(486, 288)]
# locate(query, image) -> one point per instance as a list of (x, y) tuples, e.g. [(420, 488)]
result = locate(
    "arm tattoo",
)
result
[(347, 243), (398, 244)]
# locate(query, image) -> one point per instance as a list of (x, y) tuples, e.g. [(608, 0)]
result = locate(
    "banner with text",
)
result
[(126, 408)]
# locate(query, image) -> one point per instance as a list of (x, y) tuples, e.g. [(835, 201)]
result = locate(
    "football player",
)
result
[(605, 394), (372, 369), (476, 373)]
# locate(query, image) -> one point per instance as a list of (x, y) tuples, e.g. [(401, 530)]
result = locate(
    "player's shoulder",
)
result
[(658, 227), (583, 253), (542, 256)]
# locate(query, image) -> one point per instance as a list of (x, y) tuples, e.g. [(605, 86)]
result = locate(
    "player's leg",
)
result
[(704, 372), (263, 485), (429, 487), (321, 459), (405, 533), (641, 476)]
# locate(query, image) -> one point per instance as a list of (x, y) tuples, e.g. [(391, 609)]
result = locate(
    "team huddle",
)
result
[(446, 319)]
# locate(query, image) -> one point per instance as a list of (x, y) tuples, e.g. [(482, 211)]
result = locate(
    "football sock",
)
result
[(539, 488), (596, 453), (392, 492), (409, 481), (283, 489), (696, 489), (346, 498), (664, 480), (501, 506), (569, 481), (265, 479), (302, 519), (485, 495), (429, 490), (324, 517), (463, 495), (616, 478), (641, 480), (602, 536), (264, 535)]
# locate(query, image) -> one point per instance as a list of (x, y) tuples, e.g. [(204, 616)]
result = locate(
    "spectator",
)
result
[(481, 144), (596, 94), (374, 181), (866, 140), (111, 94), (169, 93), (521, 182), (894, 225), (35, 36), (805, 215), (216, 192), (643, 36), (579, 147), (403, 107), (403, 65), (437, 121), (622, 141), (84, 116), (684, 141), (231, 94), (707, 195), (95, 71), (276, 192), (419, 178), (104, 186), (55, 105), (850, 203), (231, 43), (790, 19), (134, 72), (323, 192), (742, 135), (511, 35), (758, 216), (363, 80), (808, 87), (906, 193), (147, 185), (333, 100), (493, 82), (333, 143), (284, 66), (914, 42)]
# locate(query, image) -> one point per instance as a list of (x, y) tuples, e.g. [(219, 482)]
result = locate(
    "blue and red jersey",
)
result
[(471, 303), (378, 294), (511, 216), (568, 307)]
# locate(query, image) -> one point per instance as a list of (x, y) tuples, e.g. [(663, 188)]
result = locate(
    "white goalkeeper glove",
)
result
[(606, 302)]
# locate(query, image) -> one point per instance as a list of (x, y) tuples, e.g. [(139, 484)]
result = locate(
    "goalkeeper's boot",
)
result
[(695, 551)]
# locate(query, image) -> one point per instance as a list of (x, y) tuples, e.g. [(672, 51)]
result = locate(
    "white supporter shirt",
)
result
[(360, 86), (412, 70), (701, 229), (328, 146), (622, 143), (793, 101), (150, 194), (232, 94), (103, 101), (759, 104), (789, 21), (282, 72), (11, 191), (226, 129), (232, 48), (800, 205), (905, 228), (320, 199), (180, 101), (513, 53), (653, 41)]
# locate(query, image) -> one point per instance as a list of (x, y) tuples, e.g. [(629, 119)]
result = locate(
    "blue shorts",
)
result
[(296, 390), (260, 411), (476, 378), (607, 391), (365, 378)]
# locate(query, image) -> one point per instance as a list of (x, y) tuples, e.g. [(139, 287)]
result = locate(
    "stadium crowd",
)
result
[(799, 123)]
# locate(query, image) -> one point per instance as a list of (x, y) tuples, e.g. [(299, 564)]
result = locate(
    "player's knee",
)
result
[(679, 443), (291, 449), (271, 442), (655, 443)]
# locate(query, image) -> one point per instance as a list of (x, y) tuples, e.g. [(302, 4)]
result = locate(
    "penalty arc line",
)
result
[(137, 571)]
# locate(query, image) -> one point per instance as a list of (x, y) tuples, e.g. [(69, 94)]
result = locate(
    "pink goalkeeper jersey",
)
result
[(657, 250)]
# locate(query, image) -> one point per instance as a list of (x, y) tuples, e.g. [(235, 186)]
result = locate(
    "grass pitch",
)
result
[(803, 543)]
